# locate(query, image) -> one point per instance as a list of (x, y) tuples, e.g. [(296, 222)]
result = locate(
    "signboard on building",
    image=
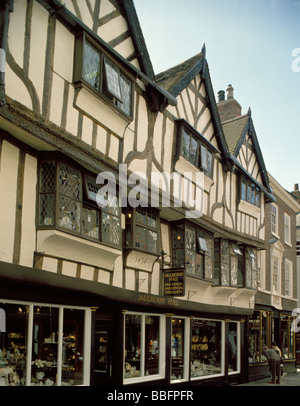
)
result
[(174, 282)]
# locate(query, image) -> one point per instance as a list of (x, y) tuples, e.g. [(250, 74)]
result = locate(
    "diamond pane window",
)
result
[(125, 105), (113, 79), (71, 205), (91, 65)]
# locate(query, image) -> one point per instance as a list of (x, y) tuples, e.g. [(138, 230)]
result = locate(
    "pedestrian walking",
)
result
[(274, 359)]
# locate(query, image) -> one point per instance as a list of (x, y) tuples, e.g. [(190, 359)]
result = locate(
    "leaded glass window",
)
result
[(95, 70), (192, 249), (68, 201), (91, 65)]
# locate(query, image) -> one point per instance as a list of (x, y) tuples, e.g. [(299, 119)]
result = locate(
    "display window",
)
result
[(44, 346), (234, 347), (13, 345), (287, 338), (258, 333), (206, 348), (144, 347), (179, 349)]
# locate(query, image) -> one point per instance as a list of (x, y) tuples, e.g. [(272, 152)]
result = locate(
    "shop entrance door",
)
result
[(103, 367)]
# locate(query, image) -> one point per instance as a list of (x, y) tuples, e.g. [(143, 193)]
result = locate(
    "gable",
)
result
[(116, 23), (242, 144), (190, 83)]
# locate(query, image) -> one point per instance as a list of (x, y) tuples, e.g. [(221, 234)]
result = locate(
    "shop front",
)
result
[(63, 331), (265, 326)]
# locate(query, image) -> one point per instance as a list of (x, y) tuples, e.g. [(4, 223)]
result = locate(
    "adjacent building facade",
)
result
[(133, 212)]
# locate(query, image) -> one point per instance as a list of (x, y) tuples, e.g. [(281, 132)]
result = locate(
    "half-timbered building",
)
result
[(155, 279)]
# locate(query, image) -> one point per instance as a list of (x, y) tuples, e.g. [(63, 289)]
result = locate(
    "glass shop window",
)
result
[(233, 356), (13, 345), (206, 348), (72, 348), (258, 333), (287, 338), (44, 346), (178, 355), (142, 346)]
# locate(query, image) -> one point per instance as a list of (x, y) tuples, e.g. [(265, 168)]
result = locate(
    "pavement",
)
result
[(286, 380)]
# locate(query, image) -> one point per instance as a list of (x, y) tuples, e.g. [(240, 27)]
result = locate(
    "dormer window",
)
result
[(195, 148), (96, 71)]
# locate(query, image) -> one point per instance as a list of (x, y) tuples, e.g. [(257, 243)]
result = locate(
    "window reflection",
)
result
[(233, 347)]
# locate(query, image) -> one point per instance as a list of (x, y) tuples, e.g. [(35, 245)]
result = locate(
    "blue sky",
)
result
[(249, 44)]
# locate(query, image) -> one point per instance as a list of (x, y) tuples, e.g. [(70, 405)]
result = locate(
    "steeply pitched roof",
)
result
[(234, 130), (178, 77)]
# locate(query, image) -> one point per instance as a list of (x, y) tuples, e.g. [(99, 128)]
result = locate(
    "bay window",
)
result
[(94, 70), (193, 249), (142, 229), (249, 192), (67, 200), (195, 148)]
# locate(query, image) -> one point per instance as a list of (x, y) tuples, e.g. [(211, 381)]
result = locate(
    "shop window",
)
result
[(233, 346), (206, 348), (52, 338), (195, 148), (287, 338), (179, 346), (100, 74), (68, 201), (193, 249), (143, 347), (13, 345), (258, 333), (45, 346), (142, 229), (73, 347)]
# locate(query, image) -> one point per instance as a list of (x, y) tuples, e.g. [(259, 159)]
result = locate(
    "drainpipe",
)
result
[(6, 7)]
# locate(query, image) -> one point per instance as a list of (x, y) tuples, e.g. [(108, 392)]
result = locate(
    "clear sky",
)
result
[(253, 45)]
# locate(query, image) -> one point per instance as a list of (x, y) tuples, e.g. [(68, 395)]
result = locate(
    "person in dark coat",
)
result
[(274, 362)]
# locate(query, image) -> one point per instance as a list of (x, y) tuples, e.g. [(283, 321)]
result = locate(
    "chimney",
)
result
[(229, 108), (296, 192)]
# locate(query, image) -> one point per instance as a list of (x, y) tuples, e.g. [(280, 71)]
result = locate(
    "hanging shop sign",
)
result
[(174, 282)]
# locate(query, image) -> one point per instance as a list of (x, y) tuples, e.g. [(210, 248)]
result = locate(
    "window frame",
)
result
[(84, 202), (131, 224), (204, 147), (288, 278), (206, 256), (162, 348), (103, 91), (274, 219), (250, 192), (287, 228)]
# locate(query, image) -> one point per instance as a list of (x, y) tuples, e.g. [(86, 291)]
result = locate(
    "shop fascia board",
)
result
[(34, 285)]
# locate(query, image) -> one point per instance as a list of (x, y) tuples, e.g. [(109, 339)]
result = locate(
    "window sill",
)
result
[(100, 109), (249, 209), (67, 246), (185, 167)]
